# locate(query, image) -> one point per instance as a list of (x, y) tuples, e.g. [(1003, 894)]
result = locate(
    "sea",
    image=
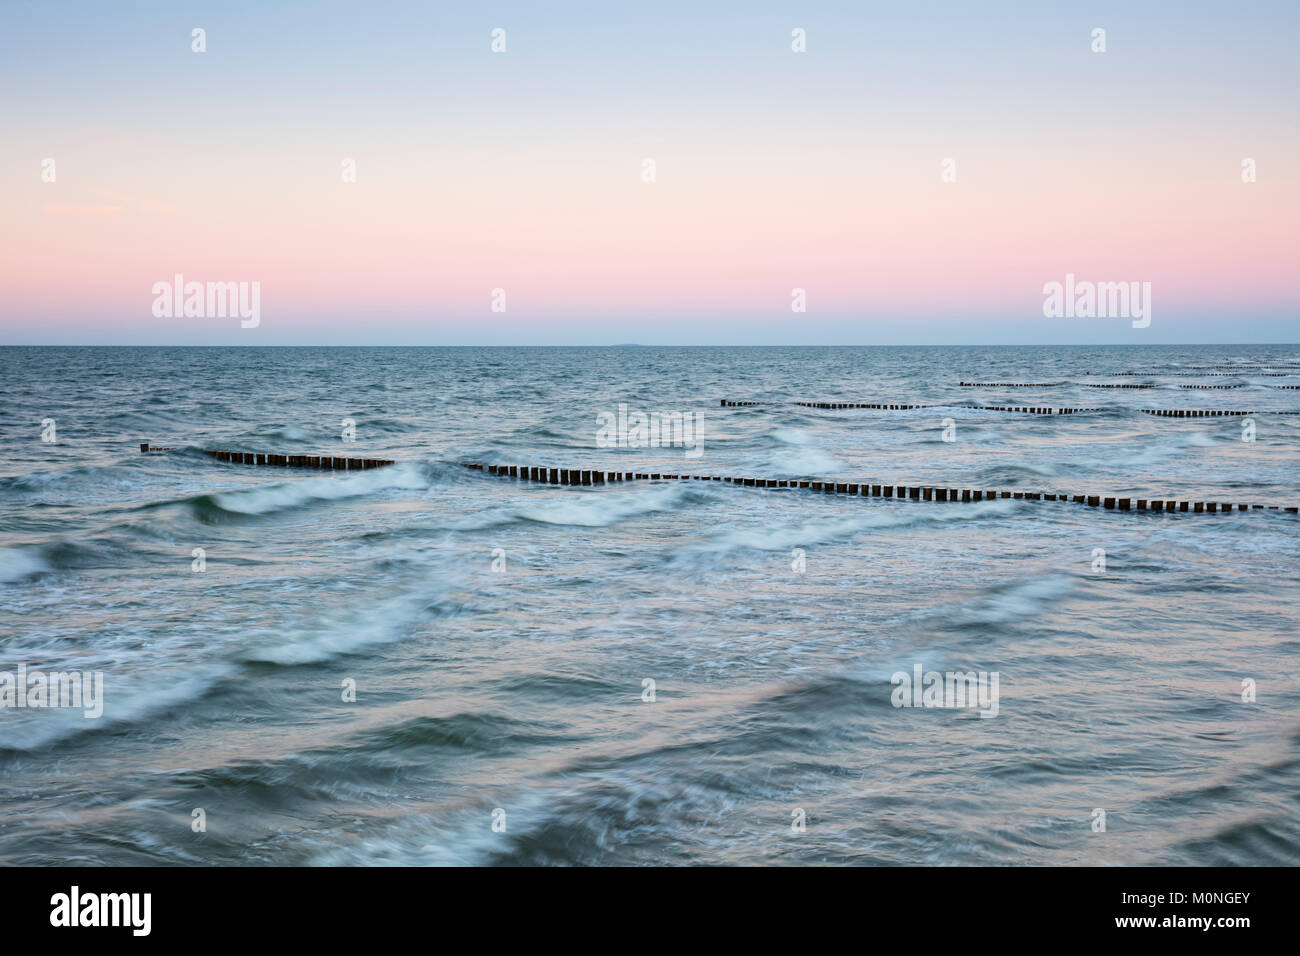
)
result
[(425, 664)]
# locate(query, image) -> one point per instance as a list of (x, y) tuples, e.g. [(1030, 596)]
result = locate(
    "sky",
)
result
[(526, 171)]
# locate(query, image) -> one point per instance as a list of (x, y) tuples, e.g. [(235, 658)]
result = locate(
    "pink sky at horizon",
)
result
[(741, 213)]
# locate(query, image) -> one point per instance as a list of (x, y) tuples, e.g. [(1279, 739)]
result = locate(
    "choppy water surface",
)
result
[(521, 689)]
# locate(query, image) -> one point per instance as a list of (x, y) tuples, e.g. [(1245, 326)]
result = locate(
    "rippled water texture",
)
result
[(521, 689)]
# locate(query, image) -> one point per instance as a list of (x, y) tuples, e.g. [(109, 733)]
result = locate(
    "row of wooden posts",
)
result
[(1081, 384), (1212, 374), (289, 461), (1030, 409), (1195, 388), (576, 476)]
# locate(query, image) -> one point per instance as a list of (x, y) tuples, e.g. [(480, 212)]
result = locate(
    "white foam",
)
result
[(265, 499), (464, 838), (1015, 602), (125, 701), (782, 538), (603, 508), (323, 640), (17, 564)]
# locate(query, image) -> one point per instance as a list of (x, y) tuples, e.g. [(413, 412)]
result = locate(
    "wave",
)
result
[(998, 476), (478, 733), (285, 496), (1145, 452), (794, 453), (42, 728), (66, 480), (822, 531), (285, 433), (319, 639), (1007, 604), (463, 836), (604, 508), (20, 564), (791, 436)]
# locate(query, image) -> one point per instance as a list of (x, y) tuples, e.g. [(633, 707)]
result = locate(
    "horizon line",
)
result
[(646, 345)]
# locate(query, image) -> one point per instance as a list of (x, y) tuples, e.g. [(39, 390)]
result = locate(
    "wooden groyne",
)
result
[(1244, 367), (1034, 409), (1050, 385), (1094, 385), (319, 462), (1028, 409), (590, 477), (1207, 374), (1013, 384)]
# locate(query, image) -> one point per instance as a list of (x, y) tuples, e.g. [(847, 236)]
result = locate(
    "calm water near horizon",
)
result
[(521, 688)]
